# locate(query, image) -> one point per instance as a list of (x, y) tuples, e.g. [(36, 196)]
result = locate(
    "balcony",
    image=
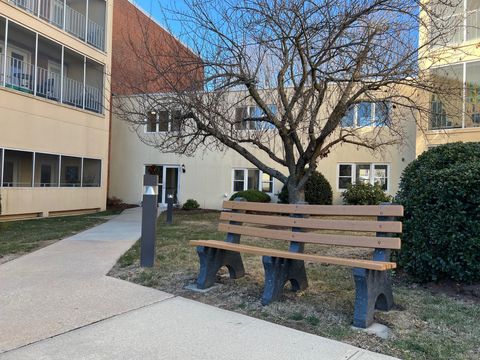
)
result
[(84, 19), (45, 69)]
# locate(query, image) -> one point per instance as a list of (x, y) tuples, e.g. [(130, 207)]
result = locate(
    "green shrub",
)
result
[(252, 195), (190, 204), (365, 194), (440, 192), (317, 191)]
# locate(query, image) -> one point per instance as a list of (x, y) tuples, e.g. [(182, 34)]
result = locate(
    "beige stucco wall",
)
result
[(208, 175), (35, 124)]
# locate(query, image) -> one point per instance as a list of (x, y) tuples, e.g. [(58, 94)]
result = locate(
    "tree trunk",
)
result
[(295, 195)]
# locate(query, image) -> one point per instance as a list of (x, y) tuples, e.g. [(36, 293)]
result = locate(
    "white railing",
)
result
[(72, 92), (48, 84), (52, 11), (28, 5), (473, 24), (19, 74), (93, 99), (75, 22), (96, 35)]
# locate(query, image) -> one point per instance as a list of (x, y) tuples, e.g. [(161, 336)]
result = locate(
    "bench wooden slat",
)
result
[(366, 264), (334, 210), (309, 237), (312, 223)]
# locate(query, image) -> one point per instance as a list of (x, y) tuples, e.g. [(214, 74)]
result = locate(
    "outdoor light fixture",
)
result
[(149, 190), (183, 168)]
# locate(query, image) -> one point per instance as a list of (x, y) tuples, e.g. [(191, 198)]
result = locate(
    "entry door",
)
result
[(171, 184), (168, 183)]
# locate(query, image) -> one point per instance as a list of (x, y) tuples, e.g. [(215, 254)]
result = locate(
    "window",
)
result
[(17, 168), (363, 173), (46, 170), (252, 179), (457, 102), (462, 20), (238, 180), (151, 121), (345, 176), (267, 183), (162, 121), (249, 118), (32, 169), (367, 113), (70, 171), (92, 169)]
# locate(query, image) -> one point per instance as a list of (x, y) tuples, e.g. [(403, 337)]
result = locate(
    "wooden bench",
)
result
[(300, 224)]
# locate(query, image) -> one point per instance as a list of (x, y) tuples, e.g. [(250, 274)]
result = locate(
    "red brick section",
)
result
[(146, 58)]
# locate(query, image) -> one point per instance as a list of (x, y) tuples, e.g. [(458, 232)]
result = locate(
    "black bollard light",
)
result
[(149, 220), (169, 209)]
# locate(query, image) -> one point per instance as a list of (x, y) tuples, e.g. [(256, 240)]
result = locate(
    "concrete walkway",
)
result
[(57, 303)]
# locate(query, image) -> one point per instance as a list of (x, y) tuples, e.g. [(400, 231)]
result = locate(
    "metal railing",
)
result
[(48, 84), (51, 11), (93, 99), (96, 35), (28, 5), (75, 22), (473, 23), (72, 92), (19, 74)]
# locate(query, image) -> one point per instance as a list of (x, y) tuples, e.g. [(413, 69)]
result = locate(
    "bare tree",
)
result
[(303, 63)]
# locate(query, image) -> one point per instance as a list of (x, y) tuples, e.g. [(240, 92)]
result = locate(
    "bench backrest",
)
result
[(267, 220)]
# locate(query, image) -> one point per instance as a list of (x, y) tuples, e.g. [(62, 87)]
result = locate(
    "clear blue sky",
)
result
[(153, 7)]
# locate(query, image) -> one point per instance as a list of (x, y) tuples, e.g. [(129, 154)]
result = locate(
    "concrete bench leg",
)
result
[(211, 260), (277, 272), (373, 291)]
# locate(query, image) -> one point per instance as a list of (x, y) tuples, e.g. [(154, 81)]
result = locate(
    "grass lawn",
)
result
[(424, 324), (23, 236)]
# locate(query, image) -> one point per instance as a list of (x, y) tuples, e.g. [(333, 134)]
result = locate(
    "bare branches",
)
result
[(302, 65)]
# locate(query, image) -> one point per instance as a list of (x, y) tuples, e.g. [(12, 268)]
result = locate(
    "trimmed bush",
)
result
[(365, 194), (317, 191), (440, 192), (191, 204), (252, 195)]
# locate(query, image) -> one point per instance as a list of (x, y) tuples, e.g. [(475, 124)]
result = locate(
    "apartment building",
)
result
[(454, 61), (212, 176), (55, 60)]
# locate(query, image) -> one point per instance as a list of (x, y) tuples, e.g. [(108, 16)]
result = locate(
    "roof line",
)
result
[(156, 22)]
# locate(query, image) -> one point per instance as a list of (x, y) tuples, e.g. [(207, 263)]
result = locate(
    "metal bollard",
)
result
[(169, 209), (149, 220)]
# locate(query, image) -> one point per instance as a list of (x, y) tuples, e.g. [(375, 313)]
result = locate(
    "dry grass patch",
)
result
[(424, 325)]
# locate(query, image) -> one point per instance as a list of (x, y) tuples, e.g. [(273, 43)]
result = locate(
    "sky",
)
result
[(153, 7)]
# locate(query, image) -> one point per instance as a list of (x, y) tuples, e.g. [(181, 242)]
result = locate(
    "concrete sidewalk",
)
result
[(57, 303)]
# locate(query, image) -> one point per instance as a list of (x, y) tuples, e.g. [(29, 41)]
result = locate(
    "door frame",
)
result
[(162, 180)]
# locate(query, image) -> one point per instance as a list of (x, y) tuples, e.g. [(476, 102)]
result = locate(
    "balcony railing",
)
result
[(51, 11), (75, 23), (20, 75)]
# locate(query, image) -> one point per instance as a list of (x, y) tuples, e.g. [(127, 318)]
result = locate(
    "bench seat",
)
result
[(255, 250), (374, 227)]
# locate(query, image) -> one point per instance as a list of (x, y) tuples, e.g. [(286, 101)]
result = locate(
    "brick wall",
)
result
[(146, 58)]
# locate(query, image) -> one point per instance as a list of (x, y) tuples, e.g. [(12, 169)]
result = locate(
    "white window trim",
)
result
[(245, 180), (372, 172), (157, 124), (373, 117)]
